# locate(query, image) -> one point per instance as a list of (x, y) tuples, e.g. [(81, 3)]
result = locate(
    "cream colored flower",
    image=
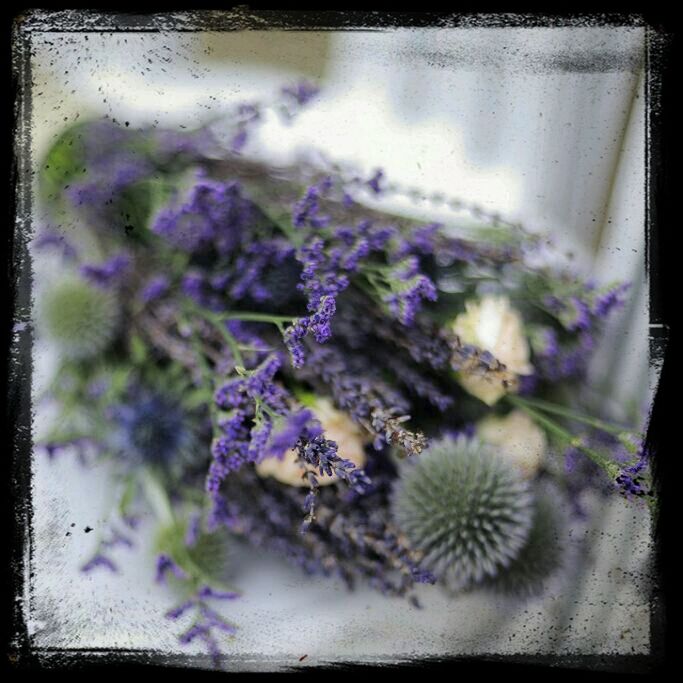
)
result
[(518, 439), (339, 427), (493, 325)]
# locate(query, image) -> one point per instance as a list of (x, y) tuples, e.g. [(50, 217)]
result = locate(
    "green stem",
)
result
[(157, 498), (556, 409), (248, 316), (606, 464)]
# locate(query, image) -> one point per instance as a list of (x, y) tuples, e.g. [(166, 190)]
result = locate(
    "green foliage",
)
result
[(465, 508), (64, 162), (207, 561)]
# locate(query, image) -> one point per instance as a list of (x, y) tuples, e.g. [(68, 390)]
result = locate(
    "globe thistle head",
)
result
[(465, 508), (153, 428), (79, 318), (540, 557)]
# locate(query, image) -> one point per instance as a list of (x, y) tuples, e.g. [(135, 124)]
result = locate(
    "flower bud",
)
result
[(518, 438), (494, 326)]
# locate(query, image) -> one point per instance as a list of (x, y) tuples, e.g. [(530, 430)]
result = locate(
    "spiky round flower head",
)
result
[(79, 318), (154, 429), (541, 555), (465, 508)]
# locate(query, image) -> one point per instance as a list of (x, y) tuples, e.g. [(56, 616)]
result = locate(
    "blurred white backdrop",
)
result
[(545, 126)]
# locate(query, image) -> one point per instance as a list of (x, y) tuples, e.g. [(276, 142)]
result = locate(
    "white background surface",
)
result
[(481, 114)]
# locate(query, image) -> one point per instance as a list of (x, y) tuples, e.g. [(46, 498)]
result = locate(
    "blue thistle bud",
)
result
[(465, 508), (541, 556), (79, 318), (153, 429)]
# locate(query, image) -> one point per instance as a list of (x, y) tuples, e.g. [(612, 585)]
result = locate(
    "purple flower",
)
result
[(212, 213), (155, 288), (206, 620), (307, 210), (208, 592), (238, 141), (582, 318), (99, 560), (165, 564), (49, 238), (631, 480), (405, 300), (610, 299), (302, 92), (109, 272), (193, 530), (177, 612), (290, 433), (374, 182)]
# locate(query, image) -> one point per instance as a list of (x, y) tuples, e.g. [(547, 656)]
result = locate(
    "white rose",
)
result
[(518, 439), (493, 325), (339, 427)]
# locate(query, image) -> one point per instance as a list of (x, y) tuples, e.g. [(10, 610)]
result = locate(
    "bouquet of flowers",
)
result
[(270, 355)]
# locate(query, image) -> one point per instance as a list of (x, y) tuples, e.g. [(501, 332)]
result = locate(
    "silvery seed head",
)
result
[(465, 508)]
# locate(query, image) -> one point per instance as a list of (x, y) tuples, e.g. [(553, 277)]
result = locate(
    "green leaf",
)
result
[(127, 496), (63, 163), (138, 349)]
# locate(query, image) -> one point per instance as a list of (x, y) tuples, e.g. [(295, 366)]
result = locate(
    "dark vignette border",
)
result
[(661, 49)]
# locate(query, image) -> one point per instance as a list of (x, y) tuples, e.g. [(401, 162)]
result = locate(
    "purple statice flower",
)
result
[(581, 319), (374, 183), (321, 453), (193, 530), (306, 212), (155, 288), (239, 140), (528, 384), (260, 433), (327, 263), (178, 611), (229, 451), (631, 480), (108, 273), (301, 93), (192, 285), (49, 238), (582, 307), (211, 213), (350, 542), (206, 620), (362, 393), (231, 394), (116, 539), (245, 432), (189, 146), (418, 382), (557, 360), (409, 288), (422, 240), (290, 433), (83, 446), (166, 564), (610, 299), (99, 560), (115, 161), (209, 592), (293, 339), (255, 272)]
